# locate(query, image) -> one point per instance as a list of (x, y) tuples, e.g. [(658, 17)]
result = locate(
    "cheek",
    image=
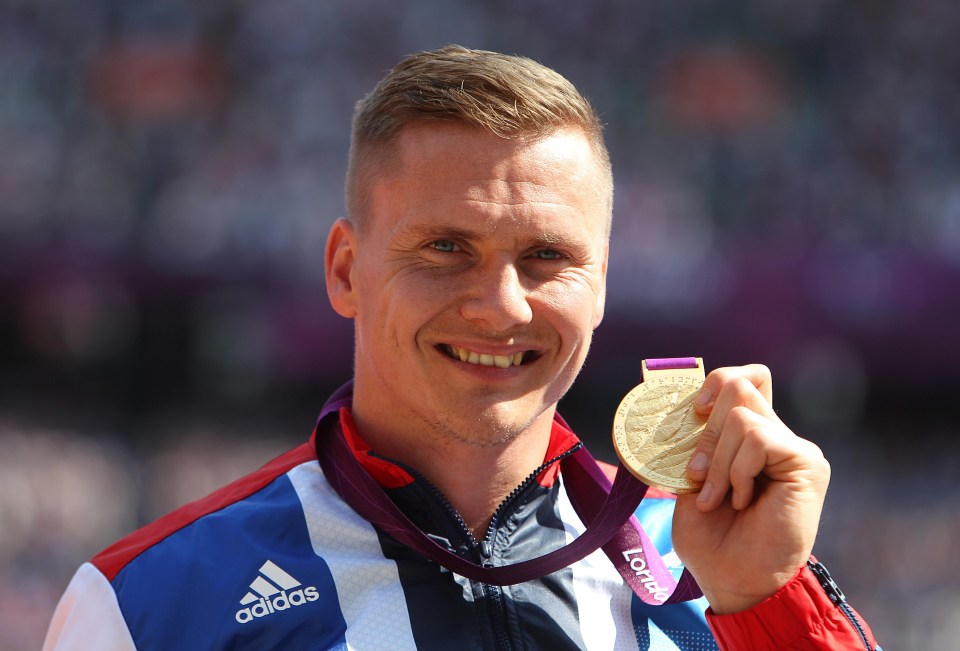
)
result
[(398, 305), (574, 304)]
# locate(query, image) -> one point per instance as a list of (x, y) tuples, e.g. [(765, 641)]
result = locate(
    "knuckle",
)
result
[(762, 371), (755, 435), (741, 382), (709, 438), (719, 470), (741, 417), (825, 470), (718, 378), (737, 389), (722, 373), (819, 461)]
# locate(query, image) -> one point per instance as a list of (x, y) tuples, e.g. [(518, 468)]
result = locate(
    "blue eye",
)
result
[(549, 254), (444, 246)]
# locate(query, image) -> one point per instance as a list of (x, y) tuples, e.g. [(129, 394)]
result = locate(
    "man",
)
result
[(473, 264)]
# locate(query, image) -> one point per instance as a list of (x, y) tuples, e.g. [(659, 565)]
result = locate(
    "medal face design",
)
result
[(655, 430)]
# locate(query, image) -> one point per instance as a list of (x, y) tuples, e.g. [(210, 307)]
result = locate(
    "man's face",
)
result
[(476, 283)]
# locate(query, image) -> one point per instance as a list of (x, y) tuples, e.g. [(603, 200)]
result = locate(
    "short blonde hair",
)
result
[(508, 96)]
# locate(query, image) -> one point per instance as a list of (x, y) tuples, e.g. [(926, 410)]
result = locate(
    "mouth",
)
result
[(486, 359)]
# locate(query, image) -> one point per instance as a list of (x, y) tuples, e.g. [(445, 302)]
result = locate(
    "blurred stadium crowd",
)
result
[(787, 192)]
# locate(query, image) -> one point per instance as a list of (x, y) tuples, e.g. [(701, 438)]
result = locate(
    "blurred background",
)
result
[(787, 192)]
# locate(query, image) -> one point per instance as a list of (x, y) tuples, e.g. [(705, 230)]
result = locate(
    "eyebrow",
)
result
[(552, 239), (446, 231), (438, 231)]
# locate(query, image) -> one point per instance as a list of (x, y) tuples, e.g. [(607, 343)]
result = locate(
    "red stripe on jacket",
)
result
[(115, 557)]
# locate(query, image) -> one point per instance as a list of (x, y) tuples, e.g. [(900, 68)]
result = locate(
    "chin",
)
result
[(493, 427)]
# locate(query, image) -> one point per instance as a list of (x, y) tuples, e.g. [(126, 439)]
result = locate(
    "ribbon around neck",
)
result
[(608, 511)]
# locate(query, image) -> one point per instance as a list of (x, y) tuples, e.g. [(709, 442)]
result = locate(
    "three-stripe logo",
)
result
[(273, 590)]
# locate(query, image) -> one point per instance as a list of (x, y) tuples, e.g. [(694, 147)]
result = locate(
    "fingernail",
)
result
[(705, 492), (699, 462), (703, 398)]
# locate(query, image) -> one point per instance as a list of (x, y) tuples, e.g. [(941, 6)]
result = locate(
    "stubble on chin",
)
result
[(481, 432)]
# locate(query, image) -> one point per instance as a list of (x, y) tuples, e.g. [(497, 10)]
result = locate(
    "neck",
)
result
[(475, 479)]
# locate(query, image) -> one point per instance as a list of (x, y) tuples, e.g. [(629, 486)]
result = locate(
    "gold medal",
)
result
[(655, 428)]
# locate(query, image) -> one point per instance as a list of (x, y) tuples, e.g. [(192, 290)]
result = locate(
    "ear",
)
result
[(602, 292), (340, 258)]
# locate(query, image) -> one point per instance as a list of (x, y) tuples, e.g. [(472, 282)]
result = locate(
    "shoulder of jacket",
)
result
[(117, 556)]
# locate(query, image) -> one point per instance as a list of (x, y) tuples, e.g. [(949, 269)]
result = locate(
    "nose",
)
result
[(496, 298)]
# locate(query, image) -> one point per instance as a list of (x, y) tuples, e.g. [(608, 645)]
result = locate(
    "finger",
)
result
[(741, 456), (738, 390), (753, 455), (757, 374), (721, 444), (739, 407), (771, 451)]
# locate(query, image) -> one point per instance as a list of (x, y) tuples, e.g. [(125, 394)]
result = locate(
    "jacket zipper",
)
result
[(838, 598), (486, 548), (494, 521), (492, 593), (495, 593)]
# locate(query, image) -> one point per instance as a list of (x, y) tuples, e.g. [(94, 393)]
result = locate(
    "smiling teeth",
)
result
[(485, 359)]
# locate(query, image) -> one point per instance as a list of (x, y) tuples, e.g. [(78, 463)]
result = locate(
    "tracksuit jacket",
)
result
[(277, 560)]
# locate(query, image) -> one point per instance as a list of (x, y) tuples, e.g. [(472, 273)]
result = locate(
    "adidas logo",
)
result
[(273, 590)]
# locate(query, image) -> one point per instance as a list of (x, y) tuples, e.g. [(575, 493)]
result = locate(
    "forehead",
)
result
[(425, 146), (434, 167)]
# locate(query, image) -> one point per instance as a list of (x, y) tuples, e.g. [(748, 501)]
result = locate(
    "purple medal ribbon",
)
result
[(669, 363), (607, 509)]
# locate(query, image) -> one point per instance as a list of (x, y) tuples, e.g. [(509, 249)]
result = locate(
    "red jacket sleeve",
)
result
[(799, 617)]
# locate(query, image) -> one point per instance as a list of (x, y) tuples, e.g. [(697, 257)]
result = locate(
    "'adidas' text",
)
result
[(277, 591), (284, 600)]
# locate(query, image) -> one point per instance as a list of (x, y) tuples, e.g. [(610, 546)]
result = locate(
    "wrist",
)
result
[(727, 602), (808, 612)]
